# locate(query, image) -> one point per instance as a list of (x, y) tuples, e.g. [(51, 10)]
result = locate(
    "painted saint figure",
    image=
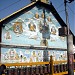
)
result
[(7, 35), (53, 30), (17, 28), (32, 27)]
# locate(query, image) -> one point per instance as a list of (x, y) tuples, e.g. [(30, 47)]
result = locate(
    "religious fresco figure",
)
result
[(6, 57), (7, 35), (42, 15), (37, 15), (11, 54), (32, 27), (17, 28), (49, 19), (53, 30), (44, 42)]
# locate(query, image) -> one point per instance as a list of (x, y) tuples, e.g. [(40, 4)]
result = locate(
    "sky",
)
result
[(7, 7)]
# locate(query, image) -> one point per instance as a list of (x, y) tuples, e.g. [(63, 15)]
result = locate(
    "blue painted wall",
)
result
[(29, 29)]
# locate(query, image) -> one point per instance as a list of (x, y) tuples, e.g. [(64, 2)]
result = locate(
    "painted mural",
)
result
[(31, 28), (57, 55), (16, 55)]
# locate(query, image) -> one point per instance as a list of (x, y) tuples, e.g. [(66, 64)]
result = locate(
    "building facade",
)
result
[(31, 35)]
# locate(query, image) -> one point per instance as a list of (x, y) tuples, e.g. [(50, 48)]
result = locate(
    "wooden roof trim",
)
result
[(17, 11)]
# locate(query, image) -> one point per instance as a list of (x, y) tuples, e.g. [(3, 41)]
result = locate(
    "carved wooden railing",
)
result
[(38, 68)]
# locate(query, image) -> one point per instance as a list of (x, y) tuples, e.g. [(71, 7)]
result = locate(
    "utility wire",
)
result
[(71, 9), (72, 12), (59, 6), (10, 5), (61, 11), (68, 16), (20, 0)]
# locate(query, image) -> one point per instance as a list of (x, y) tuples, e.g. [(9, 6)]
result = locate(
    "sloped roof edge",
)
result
[(51, 7), (17, 11)]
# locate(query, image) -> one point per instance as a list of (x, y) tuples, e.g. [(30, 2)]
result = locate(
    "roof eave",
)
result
[(17, 11)]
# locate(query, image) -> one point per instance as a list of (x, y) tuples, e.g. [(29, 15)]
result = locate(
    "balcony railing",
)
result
[(38, 68)]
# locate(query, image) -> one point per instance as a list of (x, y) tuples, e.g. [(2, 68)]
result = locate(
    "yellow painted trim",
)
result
[(26, 64), (59, 62), (33, 63)]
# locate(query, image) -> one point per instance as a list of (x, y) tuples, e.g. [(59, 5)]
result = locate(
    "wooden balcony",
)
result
[(38, 68)]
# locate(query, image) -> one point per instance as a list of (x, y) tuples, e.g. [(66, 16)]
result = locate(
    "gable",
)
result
[(27, 34), (27, 28)]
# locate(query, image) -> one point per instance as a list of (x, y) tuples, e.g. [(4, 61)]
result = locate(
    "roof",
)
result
[(47, 6)]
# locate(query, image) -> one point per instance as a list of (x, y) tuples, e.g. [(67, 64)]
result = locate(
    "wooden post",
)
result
[(51, 63), (70, 55)]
